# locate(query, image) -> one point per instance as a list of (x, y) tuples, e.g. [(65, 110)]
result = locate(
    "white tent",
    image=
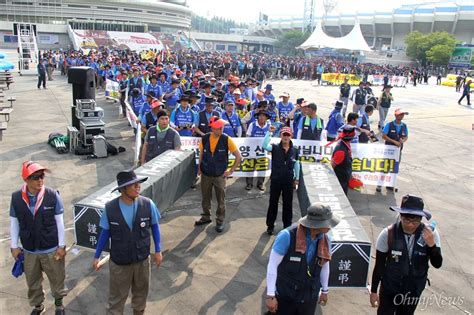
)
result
[(352, 41)]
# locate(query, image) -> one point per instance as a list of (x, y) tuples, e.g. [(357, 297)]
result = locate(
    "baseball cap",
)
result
[(400, 111), (216, 123), (156, 103), (30, 167), (286, 130)]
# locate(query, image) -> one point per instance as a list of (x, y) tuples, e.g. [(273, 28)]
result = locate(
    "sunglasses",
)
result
[(411, 220), (36, 177), (286, 135)]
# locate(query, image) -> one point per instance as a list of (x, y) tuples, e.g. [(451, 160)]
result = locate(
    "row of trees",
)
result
[(214, 25), (434, 48)]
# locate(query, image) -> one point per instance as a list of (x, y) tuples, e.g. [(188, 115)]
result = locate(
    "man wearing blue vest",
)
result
[(233, 128), (137, 101), (183, 119), (160, 138), (36, 219), (136, 82), (268, 93), (402, 261), (311, 126), (300, 111), (335, 121), (163, 81), (128, 221), (214, 152), (205, 116), (155, 88), (284, 108), (364, 124), (298, 268), (172, 95), (395, 133), (258, 128)]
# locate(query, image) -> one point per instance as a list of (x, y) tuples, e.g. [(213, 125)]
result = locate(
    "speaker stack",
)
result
[(86, 117)]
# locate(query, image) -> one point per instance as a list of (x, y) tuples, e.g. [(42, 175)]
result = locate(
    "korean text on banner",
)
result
[(373, 164)]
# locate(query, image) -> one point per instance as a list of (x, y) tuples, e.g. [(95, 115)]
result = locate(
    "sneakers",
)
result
[(202, 221), (270, 231), (219, 228), (260, 187), (59, 310), (195, 182), (249, 187), (37, 310)]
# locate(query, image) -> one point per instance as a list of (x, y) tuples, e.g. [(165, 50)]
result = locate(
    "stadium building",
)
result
[(53, 18), (390, 28)]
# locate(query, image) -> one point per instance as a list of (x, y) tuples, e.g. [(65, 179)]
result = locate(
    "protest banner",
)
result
[(373, 164), (112, 89), (338, 78)]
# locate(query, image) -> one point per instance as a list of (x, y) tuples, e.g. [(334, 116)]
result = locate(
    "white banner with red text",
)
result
[(373, 164)]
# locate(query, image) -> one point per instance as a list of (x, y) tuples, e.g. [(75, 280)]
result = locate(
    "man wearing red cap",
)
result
[(36, 217), (213, 163), (284, 176), (341, 160)]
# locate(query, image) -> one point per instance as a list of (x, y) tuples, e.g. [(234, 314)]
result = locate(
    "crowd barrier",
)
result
[(169, 176)]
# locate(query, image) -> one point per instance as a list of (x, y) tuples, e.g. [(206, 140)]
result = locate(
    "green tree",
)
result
[(434, 48), (288, 41), (439, 55)]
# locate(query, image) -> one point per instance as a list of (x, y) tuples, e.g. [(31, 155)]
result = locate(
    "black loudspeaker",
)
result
[(83, 87)]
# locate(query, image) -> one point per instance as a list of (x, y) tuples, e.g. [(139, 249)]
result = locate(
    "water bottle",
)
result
[(421, 240)]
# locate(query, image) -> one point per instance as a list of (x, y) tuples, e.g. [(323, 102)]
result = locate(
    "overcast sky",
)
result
[(241, 10)]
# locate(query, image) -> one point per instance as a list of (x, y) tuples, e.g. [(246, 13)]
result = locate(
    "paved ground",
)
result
[(208, 273)]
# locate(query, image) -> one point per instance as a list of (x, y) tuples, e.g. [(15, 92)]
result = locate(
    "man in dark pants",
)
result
[(214, 152), (395, 133), (466, 93), (345, 91), (284, 176), (298, 268), (401, 263), (128, 221), (36, 219), (341, 160), (41, 68)]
